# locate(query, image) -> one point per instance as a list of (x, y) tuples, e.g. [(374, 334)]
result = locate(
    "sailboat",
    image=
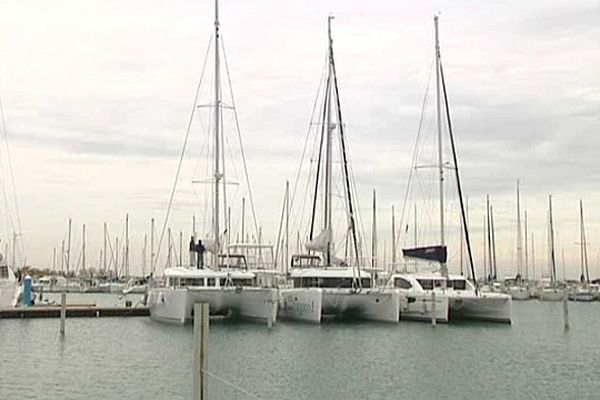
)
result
[(519, 290), (583, 292), (322, 283), (465, 300), (551, 291), (227, 283)]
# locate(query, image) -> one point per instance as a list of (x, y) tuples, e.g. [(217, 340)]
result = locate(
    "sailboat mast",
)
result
[(374, 233), (526, 250), (440, 143), (519, 237), (552, 255), (393, 238), (585, 273), (83, 248), (104, 255), (328, 148), (217, 125)]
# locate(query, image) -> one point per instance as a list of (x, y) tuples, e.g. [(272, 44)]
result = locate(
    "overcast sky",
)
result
[(97, 97)]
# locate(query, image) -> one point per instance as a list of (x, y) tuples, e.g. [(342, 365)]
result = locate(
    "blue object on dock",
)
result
[(27, 291)]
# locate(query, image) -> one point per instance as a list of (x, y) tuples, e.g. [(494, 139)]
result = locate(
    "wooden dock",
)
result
[(73, 311)]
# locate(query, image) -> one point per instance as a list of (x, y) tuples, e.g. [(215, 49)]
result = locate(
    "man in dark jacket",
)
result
[(200, 250)]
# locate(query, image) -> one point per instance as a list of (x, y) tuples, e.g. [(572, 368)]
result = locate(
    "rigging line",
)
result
[(460, 195), (415, 152), (182, 154), (314, 108), (12, 177), (237, 124), (231, 384)]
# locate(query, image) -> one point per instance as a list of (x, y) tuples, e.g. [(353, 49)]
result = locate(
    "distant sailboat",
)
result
[(553, 291), (584, 291), (520, 289)]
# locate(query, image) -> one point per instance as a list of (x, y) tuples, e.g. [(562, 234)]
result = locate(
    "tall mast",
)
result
[(489, 238), (217, 125), (69, 247), (374, 233), (126, 261), (152, 244), (144, 254), (519, 237), (532, 256), (83, 248), (526, 250), (393, 238), (585, 273), (440, 143), (327, 211), (287, 226), (104, 255), (552, 255), (495, 276)]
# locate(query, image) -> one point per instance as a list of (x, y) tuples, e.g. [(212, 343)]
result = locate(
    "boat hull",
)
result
[(419, 307), (519, 293), (552, 295), (491, 307), (314, 304), (176, 305)]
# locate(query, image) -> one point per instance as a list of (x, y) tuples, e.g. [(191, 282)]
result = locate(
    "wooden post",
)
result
[(200, 350), (433, 318), (63, 312), (566, 312)]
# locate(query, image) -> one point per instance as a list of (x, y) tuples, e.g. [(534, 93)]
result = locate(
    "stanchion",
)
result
[(200, 350)]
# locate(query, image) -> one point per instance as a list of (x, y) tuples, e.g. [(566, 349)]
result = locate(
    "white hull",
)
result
[(312, 304), (552, 295), (490, 307), (419, 307), (9, 293), (583, 296), (176, 305), (140, 289), (519, 293)]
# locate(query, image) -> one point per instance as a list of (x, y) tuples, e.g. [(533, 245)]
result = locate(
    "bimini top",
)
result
[(181, 272)]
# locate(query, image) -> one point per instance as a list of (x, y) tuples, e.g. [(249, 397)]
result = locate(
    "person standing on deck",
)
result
[(200, 250), (192, 251)]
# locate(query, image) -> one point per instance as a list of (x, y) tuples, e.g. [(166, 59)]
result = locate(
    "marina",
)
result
[(323, 208)]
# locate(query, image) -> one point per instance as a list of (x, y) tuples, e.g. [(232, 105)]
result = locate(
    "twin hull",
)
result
[(176, 305), (313, 304), (419, 306), (485, 307)]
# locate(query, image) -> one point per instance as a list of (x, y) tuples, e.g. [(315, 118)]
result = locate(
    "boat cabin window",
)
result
[(458, 284), (344, 283), (211, 282), (183, 282), (3, 272), (426, 284), (232, 261), (242, 282), (305, 261), (402, 283)]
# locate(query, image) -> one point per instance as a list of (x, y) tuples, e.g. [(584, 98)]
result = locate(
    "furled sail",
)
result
[(210, 245), (321, 242), (431, 253)]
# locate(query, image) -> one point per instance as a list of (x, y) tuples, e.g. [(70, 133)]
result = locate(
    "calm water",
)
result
[(135, 358)]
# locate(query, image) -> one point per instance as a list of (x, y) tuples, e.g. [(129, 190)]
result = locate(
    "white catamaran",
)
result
[(323, 284), (465, 301), (228, 284)]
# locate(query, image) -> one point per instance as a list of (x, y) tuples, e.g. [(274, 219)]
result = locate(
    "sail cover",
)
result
[(431, 253), (320, 242)]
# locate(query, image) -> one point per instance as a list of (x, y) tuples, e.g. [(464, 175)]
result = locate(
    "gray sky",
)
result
[(97, 96)]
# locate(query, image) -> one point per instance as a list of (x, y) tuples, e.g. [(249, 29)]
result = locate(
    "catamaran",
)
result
[(226, 283), (465, 300), (323, 284)]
